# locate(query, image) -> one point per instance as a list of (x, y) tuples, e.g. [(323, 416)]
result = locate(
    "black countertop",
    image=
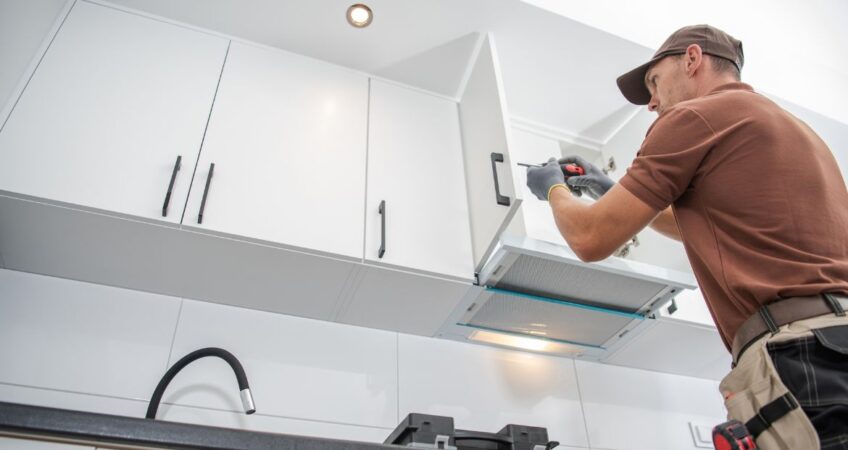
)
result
[(128, 432)]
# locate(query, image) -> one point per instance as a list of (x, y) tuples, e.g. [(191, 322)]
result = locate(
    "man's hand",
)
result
[(594, 182), (540, 180)]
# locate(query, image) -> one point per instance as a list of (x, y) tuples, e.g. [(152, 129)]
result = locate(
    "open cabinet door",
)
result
[(492, 197)]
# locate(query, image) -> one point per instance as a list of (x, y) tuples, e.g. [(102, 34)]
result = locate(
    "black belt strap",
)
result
[(834, 305), (770, 413), (768, 319)]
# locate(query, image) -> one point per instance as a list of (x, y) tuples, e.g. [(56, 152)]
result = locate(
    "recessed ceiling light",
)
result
[(359, 15)]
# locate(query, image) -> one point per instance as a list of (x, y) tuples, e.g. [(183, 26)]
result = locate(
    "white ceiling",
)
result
[(556, 71), (793, 48)]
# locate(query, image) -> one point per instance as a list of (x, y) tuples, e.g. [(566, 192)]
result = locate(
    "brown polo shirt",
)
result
[(760, 203)]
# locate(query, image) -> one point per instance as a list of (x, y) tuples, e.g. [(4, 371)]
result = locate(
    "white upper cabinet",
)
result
[(287, 137), (417, 213), (492, 197), (115, 101)]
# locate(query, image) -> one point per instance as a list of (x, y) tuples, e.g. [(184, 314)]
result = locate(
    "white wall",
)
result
[(23, 26), (83, 346), (793, 49)]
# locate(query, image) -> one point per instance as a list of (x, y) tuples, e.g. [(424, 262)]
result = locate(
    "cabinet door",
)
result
[(287, 138), (115, 100), (492, 197), (415, 173)]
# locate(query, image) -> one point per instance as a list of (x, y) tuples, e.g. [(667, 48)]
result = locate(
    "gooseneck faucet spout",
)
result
[(246, 397)]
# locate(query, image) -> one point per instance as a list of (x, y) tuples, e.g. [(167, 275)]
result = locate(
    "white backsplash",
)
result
[(88, 347)]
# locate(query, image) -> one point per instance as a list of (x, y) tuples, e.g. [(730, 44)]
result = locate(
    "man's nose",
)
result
[(653, 104)]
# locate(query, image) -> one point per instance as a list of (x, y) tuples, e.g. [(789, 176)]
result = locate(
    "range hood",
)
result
[(539, 296)]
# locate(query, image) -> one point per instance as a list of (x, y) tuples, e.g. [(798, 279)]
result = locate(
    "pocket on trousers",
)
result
[(746, 403), (815, 368), (834, 338)]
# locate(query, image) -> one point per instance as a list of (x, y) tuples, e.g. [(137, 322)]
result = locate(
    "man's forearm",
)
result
[(666, 225), (572, 219), (594, 231)]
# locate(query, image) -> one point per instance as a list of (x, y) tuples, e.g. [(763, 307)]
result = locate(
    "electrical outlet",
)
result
[(702, 434)]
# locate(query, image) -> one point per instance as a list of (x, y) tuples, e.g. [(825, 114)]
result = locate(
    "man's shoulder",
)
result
[(722, 97)]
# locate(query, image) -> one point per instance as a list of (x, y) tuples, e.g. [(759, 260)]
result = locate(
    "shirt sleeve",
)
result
[(669, 158)]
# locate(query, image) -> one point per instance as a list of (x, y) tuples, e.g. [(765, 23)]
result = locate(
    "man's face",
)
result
[(667, 83)]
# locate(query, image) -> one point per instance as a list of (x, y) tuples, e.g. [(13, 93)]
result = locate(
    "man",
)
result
[(757, 199)]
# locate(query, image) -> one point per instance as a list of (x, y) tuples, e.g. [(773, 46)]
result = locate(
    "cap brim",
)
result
[(632, 84)]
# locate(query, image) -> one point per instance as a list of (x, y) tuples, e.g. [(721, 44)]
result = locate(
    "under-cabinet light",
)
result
[(359, 15), (525, 343)]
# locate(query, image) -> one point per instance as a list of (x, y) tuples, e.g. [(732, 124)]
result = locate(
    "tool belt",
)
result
[(771, 317)]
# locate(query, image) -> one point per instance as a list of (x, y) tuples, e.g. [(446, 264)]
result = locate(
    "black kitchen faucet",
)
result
[(246, 396)]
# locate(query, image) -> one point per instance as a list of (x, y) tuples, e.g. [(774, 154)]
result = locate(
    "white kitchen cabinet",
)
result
[(484, 121), (417, 210), (287, 137), (113, 104)]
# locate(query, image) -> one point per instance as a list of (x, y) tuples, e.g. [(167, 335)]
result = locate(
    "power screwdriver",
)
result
[(569, 170)]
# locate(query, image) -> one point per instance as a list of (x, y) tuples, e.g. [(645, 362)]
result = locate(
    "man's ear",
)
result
[(694, 58)]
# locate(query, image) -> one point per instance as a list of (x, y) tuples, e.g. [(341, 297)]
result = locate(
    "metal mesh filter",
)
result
[(536, 317), (571, 282)]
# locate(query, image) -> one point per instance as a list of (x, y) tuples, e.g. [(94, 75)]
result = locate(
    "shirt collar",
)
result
[(735, 86)]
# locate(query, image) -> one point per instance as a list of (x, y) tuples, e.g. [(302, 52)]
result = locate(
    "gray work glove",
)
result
[(541, 179), (594, 183)]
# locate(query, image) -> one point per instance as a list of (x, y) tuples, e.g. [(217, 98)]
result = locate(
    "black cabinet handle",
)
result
[(171, 186), (205, 193), (502, 199), (382, 250)]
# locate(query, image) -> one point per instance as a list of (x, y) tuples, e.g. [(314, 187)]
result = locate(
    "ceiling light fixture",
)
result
[(359, 15)]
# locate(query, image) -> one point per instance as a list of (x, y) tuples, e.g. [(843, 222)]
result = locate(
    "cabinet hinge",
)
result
[(610, 166), (624, 251)]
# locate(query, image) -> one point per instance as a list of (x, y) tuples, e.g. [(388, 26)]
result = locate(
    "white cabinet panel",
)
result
[(691, 307), (620, 404), (677, 347), (86, 246), (415, 171), (116, 99), (484, 389), (625, 143), (287, 136), (297, 368), (82, 337), (492, 197), (388, 299)]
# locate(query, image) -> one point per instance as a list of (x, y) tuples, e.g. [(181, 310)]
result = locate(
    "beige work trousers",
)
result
[(753, 383)]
